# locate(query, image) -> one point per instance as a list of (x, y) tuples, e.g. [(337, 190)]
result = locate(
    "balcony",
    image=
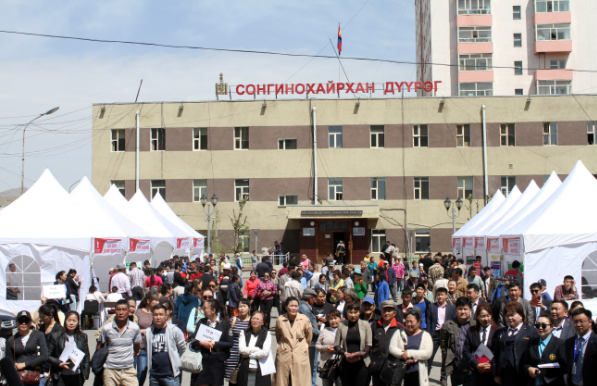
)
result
[(475, 48), (473, 20), (553, 18), (559, 74), (475, 76), (553, 46)]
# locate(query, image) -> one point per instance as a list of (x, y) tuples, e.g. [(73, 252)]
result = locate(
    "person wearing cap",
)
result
[(121, 281), (27, 348), (382, 332), (382, 290), (306, 308), (370, 314), (359, 285), (413, 281)]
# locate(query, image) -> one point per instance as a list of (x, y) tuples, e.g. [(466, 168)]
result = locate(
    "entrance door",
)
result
[(325, 244), (341, 236)]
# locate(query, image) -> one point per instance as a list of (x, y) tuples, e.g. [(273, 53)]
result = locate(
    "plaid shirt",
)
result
[(560, 293), (137, 277)]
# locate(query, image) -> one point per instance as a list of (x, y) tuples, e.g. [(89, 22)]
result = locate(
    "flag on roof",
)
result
[(339, 40)]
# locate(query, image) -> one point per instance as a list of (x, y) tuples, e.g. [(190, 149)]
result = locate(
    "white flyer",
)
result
[(73, 353), (267, 364), (208, 333)]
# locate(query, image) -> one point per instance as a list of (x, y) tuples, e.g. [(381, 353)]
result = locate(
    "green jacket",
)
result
[(448, 339), (361, 290)]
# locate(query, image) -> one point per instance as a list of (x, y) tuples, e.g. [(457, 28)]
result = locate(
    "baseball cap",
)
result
[(309, 293), (369, 300), (358, 272), (388, 303), (24, 314)]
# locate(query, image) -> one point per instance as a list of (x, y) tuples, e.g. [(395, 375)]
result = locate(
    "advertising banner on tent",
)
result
[(139, 246), (512, 246), (479, 242), (457, 245), (197, 242), (468, 243), (493, 244), (107, 246), (182, 243)]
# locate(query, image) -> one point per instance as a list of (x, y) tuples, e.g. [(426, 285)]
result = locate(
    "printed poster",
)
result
[(182, 243), (107, 246), (139, 246)]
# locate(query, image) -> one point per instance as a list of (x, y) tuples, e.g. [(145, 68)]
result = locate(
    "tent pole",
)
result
[(137, 152), (485, 182)]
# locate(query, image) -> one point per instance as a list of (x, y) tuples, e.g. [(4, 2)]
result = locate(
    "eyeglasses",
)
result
[(208, 297), (542, 326)]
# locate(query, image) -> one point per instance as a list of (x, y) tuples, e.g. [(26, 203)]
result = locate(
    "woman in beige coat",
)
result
[(293, 335), (415, 347)]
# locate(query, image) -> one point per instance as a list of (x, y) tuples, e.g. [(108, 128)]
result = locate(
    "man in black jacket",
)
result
[(440, 312), (539, 304), (382, 332), (263, 267), (581, 351), (179, 280), (562, 327)]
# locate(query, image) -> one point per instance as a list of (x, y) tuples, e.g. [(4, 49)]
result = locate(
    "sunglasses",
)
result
[(542, 326), (208, 297), (23, 321)]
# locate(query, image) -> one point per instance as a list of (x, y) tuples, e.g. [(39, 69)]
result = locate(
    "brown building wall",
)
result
[(493, 134), (357, 188), (265, 189), (476, 134), (129, 188), (145, 139), (572, 133), (179, 190), (441, 187), (440, 239), (223, 189), (395, 188), (179, 139), (356, 136), (222, 138), (322, 137), (529, 134), (442, 135), (266, 137), (145, 186), (130, 141)]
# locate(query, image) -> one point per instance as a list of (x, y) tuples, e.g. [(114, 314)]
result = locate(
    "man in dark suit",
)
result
[(490, 284), (515, 295), (474, 293), (581, 350), (539, 304), (562, 327), (441, 311)]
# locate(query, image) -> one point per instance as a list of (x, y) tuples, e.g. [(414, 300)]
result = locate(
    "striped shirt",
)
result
[(232, 361), (120, 345), (137, 277)]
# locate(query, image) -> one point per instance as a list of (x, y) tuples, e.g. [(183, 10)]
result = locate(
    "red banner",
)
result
[(139, 246), (182, 243), (512, 246), (493, 245), (468, 242), (479, 242), (198, 242), (107, 246)]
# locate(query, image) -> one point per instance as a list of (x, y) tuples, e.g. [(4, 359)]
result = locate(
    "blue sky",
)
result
[(37, 74)]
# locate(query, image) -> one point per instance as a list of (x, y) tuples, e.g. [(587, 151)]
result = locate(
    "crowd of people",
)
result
[(344, 324)]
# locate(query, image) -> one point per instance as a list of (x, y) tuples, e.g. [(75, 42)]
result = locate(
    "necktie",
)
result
[(484, 335), (512, 331), (577, 376)]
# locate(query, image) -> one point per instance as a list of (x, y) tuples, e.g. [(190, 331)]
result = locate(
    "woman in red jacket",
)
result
[(250, 287)]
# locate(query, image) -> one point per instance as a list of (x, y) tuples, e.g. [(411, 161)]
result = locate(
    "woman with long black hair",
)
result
[(255, 344), (153, 281), (61, 279), (483, 332), (48, 323), (27, 348), (62, 372)]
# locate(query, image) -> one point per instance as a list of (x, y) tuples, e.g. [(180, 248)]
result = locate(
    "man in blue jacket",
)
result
[(391, 277), (306, 308), (382, 290)]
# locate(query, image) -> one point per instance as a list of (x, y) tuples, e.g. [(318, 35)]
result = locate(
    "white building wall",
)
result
[(584, 46)]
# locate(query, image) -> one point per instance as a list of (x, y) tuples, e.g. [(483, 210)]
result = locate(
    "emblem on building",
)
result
[(221, 88)]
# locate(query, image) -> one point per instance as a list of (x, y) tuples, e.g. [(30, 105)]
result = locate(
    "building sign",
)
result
[(308, 231), (360, 231), (107, 246), (331, 88), (327, 212), (138, 246)]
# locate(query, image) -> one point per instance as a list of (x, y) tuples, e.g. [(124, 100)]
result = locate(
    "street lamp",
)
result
[(457, 205), (51, 111), (209, 213)]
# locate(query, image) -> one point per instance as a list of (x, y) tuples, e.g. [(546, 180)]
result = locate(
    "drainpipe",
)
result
[(315, 185), (137, 153), (486, 183)]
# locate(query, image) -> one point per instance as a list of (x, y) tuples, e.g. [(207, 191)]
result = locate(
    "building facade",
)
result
[(384, 166), (507, 47)]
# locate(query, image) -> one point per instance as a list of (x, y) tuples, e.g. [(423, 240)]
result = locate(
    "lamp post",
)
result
[(51, 111), (209, 213), (457, 205)]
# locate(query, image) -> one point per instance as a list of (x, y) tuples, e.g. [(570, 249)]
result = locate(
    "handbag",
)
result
[(190, 360), (329, 368), (26, 376), (393, 371), (234, 375), (377, 361), (98, 359)]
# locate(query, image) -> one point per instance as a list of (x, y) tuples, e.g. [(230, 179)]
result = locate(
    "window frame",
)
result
[(378, 135), (239, 138), (198, 186), (157, 139), (419, 137), (468, 10), (506, 188), (516, 12), (24, 269), (282, 199), (591, 125), (518, 91), (463, 189), (555, 86), (475, 30), (550, 134), (478, 59), (336, 134), (422, 234), (517, 39), (240, 191), (333, 184), (507, 138), (282, 142), (461, 132), (199, 143), (120, 185), (477, 91), (378, 188), (553, 4), (421, 186), (118, 142), (554, 27), (518, 67), (157, 189), (380, 235)]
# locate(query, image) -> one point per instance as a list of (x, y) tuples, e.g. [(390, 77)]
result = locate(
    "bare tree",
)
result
[(239, 225)]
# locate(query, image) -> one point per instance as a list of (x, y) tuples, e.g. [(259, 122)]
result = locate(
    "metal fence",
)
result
[(275, 259)]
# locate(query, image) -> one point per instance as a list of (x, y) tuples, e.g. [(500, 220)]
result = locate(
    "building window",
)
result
[(517, 68), (591, 133), (553, 32), (552, 6), (378, 188), (421, 186), (377, 136), (589, 277), (287, 200), (335, 189), (422, 240), (508, 183), (474, 7), (475, 62), (378, 240), (463, 135), (23, 279), (199, 189), (557, 64), (158, 139), (244, 239), (554, 87), (335, 133), (119, 185), (507, 134), (118, 141), (241, 138), (420, 136), (241, 190), (475, 89), (286, 144), (465, 187), (518, 91), (200, 138), (517, 40), (474, 34), (158, 186), (516, 12), (550, 133)]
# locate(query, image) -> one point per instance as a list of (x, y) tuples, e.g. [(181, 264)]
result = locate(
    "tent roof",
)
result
[(479, 229), (164, 209), (567, 217), (497, 200), (506, 220)]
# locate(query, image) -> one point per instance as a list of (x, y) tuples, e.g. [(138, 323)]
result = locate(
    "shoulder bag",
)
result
[(191, 360), (26, 376), (393, 369)]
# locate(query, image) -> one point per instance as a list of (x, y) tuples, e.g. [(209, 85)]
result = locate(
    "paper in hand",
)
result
[(483, 354)]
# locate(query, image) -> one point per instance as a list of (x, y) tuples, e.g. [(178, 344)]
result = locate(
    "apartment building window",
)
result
[(244, 239), (378, 188), (516, 12), (286, 144), (241, 138), (507, 134), (465, 187), (378, 240), (200, 138), (377, 136), (120, 186), (517, 40), (158, 186), (287, 200), (335, 133), (508, 183), (335, 189), (517, 68), (554, 87), (420, 136), (475, 62), (241, 190), (421, 188), (118, 141), (423, 240), (518, 91), (557, 64), (474, 7), (474, 34), (158, 139), (553, 32), (550, 133), (591, 133), (463, 135), (199, 189), (552, 6), (475, 89)]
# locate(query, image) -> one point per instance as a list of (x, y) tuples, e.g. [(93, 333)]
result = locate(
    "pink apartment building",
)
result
[(507, 47)]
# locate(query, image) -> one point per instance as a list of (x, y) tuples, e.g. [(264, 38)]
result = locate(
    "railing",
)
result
[(275, 259)]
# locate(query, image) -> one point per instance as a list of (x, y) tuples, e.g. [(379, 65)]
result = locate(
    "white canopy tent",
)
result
[(560, 235), (497, 200)]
